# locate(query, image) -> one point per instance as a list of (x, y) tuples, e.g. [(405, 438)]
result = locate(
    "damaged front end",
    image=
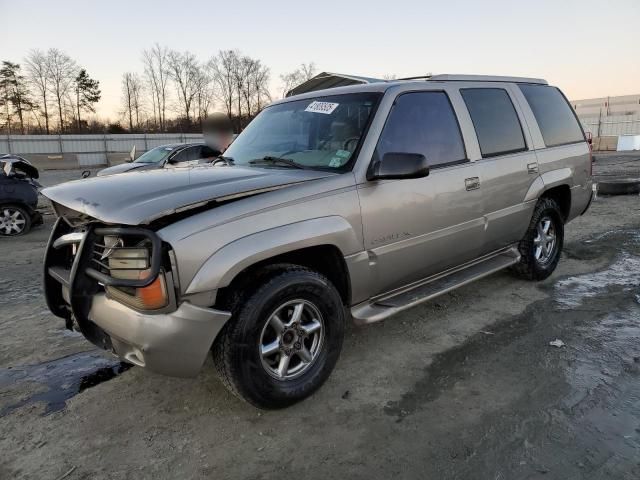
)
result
[(115, 284)]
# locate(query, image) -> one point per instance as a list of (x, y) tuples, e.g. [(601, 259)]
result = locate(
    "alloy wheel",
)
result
[(545, 241), (291, 339), (12, 221)]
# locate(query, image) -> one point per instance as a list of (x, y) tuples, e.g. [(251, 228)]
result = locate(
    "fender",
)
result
[(227, 262), (550, 179)]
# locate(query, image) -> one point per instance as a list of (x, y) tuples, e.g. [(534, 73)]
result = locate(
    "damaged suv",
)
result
[(355, 202)]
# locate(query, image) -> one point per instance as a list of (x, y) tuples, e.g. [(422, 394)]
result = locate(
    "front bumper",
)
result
[(173, 343)]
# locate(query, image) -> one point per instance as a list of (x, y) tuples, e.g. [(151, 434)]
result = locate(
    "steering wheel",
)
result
[(345, 145), (220, 160)]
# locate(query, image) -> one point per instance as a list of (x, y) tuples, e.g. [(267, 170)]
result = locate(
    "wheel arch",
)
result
[(561, 194), (555, 184), (325, 259), (319, 244)]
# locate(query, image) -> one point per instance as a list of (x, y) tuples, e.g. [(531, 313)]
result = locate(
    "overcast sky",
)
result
[(588, 48)]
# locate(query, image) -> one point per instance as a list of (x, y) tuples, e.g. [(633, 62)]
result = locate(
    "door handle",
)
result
[(532, 167), (472, 183)]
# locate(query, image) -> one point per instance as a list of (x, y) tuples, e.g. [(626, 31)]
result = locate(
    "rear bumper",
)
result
[(175, 343)]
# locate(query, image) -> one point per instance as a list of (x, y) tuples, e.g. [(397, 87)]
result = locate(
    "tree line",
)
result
[(173, 92)]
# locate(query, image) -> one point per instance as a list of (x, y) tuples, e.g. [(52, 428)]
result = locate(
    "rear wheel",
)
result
[(14, 220), (283, 339), (542, 244)]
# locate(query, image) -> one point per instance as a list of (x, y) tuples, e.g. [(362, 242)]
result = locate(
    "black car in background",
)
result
[(18, 196), (174, 155)]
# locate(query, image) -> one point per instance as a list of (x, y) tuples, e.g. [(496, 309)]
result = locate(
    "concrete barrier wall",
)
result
[(77, 151)]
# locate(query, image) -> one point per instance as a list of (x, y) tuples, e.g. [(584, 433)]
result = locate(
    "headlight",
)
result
[(129, 263), (133, 263)]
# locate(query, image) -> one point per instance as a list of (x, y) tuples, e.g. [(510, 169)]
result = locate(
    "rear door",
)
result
[(414, 228), (561, 144), (508, 164)]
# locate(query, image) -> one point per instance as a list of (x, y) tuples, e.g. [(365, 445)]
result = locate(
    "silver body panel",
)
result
[(391, 233)]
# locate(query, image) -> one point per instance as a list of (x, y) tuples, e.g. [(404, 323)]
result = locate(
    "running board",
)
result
[(384, 306)]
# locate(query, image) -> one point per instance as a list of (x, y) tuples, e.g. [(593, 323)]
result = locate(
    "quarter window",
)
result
[(557, 122), (495, 121), (425, 123)]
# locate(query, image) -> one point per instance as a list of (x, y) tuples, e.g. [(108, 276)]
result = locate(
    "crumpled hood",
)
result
[(125, 167), (143, 196)]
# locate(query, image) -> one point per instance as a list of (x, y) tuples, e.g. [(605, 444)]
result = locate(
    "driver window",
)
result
[(187, 155), (423, 122)]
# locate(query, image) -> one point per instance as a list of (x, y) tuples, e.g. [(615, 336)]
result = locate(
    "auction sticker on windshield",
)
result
[(322, 107)]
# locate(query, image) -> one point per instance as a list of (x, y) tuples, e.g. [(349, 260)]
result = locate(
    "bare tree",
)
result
[(204, 94), (156, 68), (61, 71), (152, 96), (308, 71), (300, 75), (260, 81), (185, 72), (36, 64), (222, 68), (241, 72), (254, 90), (131, 98)]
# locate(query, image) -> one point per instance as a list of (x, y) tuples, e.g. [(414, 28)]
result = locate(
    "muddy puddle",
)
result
[(597, 315), (54, 382)]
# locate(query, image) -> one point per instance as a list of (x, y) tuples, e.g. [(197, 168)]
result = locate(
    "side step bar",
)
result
[(389, 304)]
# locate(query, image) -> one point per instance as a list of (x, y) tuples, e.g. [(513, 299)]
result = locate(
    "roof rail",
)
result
[(418, 77), (485, 78)]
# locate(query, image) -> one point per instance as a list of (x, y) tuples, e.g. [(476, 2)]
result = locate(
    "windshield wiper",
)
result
[(269, 160)]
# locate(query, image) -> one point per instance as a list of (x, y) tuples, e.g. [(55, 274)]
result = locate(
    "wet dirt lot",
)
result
[(466, 386)]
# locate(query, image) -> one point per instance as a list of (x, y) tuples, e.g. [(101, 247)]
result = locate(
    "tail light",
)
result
[(589, 137)]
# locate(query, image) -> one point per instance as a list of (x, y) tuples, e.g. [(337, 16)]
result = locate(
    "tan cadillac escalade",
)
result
[(350, 203)]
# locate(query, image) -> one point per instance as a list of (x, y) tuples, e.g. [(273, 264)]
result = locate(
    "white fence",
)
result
[(88, 150), (612, 125)]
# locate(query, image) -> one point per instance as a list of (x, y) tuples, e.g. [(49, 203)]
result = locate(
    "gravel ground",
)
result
[(466, 386), (617, 164)]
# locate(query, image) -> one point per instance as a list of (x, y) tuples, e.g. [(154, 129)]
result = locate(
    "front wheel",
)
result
[(542, 244), (283, 339)]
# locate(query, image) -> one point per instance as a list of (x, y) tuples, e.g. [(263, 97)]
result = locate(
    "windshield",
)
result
[(315, 133), (155, 155)]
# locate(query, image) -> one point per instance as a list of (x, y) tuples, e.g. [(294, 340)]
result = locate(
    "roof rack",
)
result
[(484, 78), (419, 77)]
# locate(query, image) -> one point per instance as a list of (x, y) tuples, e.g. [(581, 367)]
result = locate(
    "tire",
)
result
[(537, 262), (14, 221), (245, 353)]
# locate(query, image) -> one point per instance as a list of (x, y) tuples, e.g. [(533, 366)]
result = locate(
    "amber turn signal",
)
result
[(153, 296)]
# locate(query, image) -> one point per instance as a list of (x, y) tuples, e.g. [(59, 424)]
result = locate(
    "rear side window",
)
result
[(425, 123), (557, 121), (495, 121)]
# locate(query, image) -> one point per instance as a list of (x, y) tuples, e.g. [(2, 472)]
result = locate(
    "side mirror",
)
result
[(399, 165)]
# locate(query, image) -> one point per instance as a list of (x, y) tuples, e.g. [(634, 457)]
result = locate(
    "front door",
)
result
[(414, 228)]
